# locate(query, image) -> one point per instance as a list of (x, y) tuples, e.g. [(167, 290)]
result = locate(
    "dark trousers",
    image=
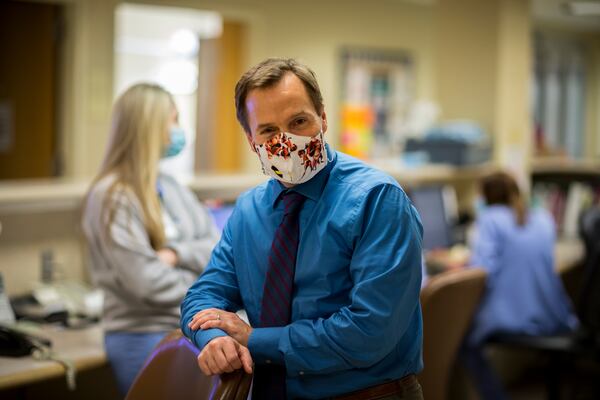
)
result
[(407, 388), (481, 373)]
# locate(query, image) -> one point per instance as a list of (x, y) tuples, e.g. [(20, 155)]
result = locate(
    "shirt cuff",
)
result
[(201, 337), (264, 345)]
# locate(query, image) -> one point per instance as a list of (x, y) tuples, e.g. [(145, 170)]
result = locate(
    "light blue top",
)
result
[(356, 318), (524, 294)]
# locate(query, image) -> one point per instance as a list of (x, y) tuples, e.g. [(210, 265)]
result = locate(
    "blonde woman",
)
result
[(149, 238)]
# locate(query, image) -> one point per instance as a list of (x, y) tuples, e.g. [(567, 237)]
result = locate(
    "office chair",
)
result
[(563, 350), (449, 301), (172, 372)]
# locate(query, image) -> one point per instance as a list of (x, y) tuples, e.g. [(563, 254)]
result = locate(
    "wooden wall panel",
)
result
[(27, 87)]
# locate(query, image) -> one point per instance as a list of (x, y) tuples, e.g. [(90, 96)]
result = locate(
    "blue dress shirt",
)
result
[(524, 294), (356, 317)]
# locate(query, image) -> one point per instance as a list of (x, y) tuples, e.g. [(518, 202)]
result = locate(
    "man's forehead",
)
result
[(288, 85), (282, 99)]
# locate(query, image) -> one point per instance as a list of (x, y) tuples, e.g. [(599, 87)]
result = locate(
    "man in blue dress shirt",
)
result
[(352, 315)]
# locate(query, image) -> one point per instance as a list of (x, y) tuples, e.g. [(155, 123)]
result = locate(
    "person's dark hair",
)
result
[(501, 188), (268, 73)]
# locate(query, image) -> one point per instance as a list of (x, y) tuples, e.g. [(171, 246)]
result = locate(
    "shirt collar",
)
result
[(311, 189)]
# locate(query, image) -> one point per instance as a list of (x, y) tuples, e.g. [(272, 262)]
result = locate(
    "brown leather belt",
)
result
[(385, 389)]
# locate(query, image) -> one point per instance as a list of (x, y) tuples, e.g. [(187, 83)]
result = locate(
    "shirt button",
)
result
[(301, 372), (268, 361)]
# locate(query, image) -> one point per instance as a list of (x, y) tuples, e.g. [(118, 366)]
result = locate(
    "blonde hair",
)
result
[(138, 135)]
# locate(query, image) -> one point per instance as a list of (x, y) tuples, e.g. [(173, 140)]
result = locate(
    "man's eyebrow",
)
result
[(262, 126), (302, 113)]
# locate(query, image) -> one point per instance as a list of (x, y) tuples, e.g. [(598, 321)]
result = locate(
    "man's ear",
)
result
[(249, 139), (324, 121)]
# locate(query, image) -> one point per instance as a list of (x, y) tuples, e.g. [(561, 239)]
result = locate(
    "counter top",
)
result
[(64, 194), (84, 347)]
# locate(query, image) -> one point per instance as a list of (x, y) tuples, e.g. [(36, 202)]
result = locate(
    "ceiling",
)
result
[(553, 12)]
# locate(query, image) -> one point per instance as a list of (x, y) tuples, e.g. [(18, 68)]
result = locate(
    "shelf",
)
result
[(41, 195), (224, 187), (434, 173), (63, 194), (564, 166)]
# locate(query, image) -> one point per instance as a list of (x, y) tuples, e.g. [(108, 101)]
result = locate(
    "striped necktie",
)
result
[(269, 380)]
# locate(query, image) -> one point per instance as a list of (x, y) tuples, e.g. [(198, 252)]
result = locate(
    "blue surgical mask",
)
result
[(177, 142)]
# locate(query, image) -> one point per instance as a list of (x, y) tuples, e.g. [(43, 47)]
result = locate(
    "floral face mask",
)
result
[(292, 158)]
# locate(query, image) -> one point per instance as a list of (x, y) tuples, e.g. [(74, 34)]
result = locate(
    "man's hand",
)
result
[(224, 354), (227, 321), (168, 256)]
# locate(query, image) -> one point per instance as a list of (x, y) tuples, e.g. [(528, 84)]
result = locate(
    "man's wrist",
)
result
[(246, 337), (202, 337)]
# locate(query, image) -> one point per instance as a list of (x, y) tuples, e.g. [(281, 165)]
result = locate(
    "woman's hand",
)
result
[(168, 256), (227, 321)]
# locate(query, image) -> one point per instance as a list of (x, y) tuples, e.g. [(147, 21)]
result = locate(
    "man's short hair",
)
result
[(267, 74)]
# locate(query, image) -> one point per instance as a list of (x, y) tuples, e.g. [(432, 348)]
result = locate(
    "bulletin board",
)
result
[(378, 88)]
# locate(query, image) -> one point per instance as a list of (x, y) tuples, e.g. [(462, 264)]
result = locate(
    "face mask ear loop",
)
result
[(325, 147)]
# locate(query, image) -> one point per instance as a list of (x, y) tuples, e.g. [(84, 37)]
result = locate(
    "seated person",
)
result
[(524, 294)]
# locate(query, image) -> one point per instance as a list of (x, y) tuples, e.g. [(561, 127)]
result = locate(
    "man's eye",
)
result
[(300, 121), (268, 131)]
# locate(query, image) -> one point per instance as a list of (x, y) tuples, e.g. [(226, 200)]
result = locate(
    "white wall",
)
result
[(312, 31)]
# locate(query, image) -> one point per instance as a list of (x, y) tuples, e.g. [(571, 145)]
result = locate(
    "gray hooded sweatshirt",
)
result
[(141, 293)]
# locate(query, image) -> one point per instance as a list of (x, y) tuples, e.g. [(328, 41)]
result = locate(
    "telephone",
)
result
[(16, 343), (71, 303), (27, 307)]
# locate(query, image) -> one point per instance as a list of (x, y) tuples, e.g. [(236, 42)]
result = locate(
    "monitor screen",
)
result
[(221, 214), (431, 204)]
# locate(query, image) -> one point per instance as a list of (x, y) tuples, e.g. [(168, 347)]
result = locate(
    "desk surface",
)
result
[(568, 254), (85, 347)]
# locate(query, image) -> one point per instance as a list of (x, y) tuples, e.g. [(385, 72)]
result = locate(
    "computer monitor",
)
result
[(437, 207), (221, 214)]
